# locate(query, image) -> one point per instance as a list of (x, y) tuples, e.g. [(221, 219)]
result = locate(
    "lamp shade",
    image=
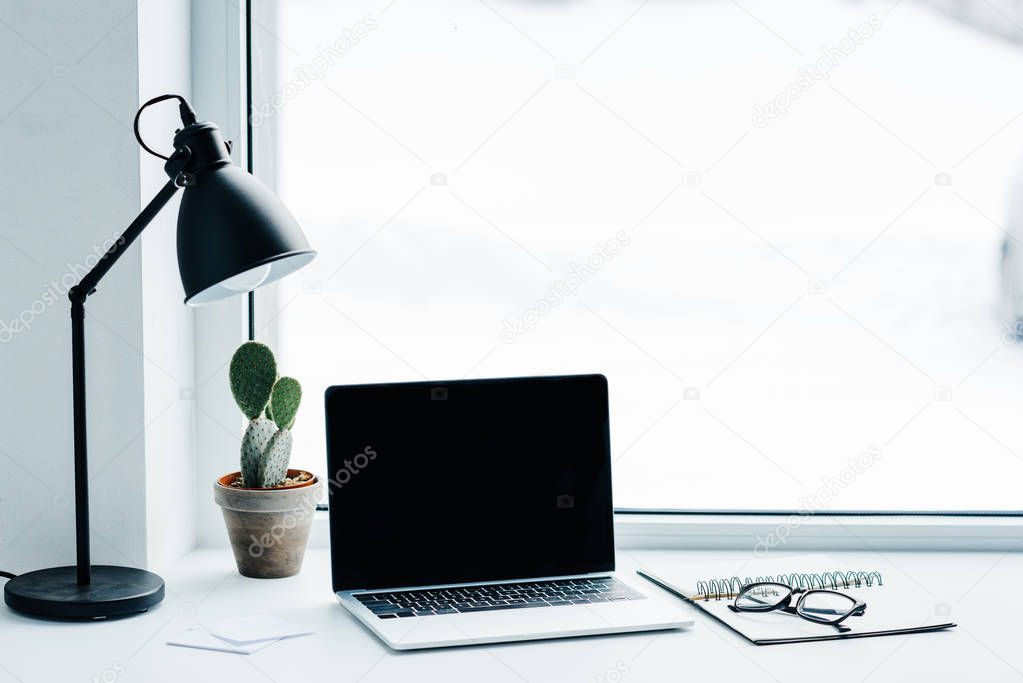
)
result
[(234, 234)]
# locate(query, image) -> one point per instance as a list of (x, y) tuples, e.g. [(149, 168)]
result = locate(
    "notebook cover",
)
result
[(835, 635)]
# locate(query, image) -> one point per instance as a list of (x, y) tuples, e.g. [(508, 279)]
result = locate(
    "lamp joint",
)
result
[(78, 295), (175, 166)]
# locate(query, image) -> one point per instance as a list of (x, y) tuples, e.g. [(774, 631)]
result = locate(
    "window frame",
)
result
[(841, 532), (714, 528)]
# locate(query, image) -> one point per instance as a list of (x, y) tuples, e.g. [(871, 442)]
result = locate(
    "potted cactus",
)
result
[(267, 507)]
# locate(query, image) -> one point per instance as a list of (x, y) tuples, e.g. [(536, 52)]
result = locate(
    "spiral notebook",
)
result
[(890, 611)]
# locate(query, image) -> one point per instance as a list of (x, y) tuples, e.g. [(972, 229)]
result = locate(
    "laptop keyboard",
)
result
[(558, 593)]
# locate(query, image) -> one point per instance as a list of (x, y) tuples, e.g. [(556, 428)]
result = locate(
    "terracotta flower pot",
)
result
[(268, 528)]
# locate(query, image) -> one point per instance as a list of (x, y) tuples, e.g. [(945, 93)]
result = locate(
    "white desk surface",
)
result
[(204, 585)]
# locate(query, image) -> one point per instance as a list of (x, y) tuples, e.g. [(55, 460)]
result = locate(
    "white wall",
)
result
[(75, 72), (168, 330), (69, 180), (162, 424)]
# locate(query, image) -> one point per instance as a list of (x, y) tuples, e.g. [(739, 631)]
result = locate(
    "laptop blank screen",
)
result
[(480, 480)]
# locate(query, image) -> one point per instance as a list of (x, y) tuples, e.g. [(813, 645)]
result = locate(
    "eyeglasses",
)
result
[(818, 606)]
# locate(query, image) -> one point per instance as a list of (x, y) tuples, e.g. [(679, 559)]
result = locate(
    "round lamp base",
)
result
[(55, 593)]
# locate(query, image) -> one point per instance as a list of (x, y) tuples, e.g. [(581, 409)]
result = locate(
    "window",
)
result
[(776, 227)]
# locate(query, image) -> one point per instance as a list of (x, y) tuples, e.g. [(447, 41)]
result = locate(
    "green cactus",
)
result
[(258, 436), (273, 466), (266, 445), (253, 373), (284, 401)]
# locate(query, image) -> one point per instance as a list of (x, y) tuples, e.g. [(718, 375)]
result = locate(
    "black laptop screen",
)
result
[(463, 481)]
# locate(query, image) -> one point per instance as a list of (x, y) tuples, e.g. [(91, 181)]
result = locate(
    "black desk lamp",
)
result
[(233, 235)]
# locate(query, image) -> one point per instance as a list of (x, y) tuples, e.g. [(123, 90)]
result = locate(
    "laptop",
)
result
[(478, 511)]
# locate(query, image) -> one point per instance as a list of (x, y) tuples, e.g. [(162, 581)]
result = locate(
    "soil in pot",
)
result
[(234, 480)]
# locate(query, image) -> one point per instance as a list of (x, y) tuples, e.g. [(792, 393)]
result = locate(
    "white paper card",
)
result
[(253, 629), (199, 638)]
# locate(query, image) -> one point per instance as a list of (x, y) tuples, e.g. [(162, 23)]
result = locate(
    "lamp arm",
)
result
[(78, 295), (87, 285)]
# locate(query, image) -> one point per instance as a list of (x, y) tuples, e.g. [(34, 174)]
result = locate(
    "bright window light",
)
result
[(776, 227)]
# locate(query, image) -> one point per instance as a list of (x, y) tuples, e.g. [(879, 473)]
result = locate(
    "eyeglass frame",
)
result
[(785, 604)]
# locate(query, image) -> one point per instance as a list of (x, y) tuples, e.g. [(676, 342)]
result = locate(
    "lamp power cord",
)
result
[(184, 108)]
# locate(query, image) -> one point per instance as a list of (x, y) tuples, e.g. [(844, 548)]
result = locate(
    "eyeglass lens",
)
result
[(762, 596), (825, 606)]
